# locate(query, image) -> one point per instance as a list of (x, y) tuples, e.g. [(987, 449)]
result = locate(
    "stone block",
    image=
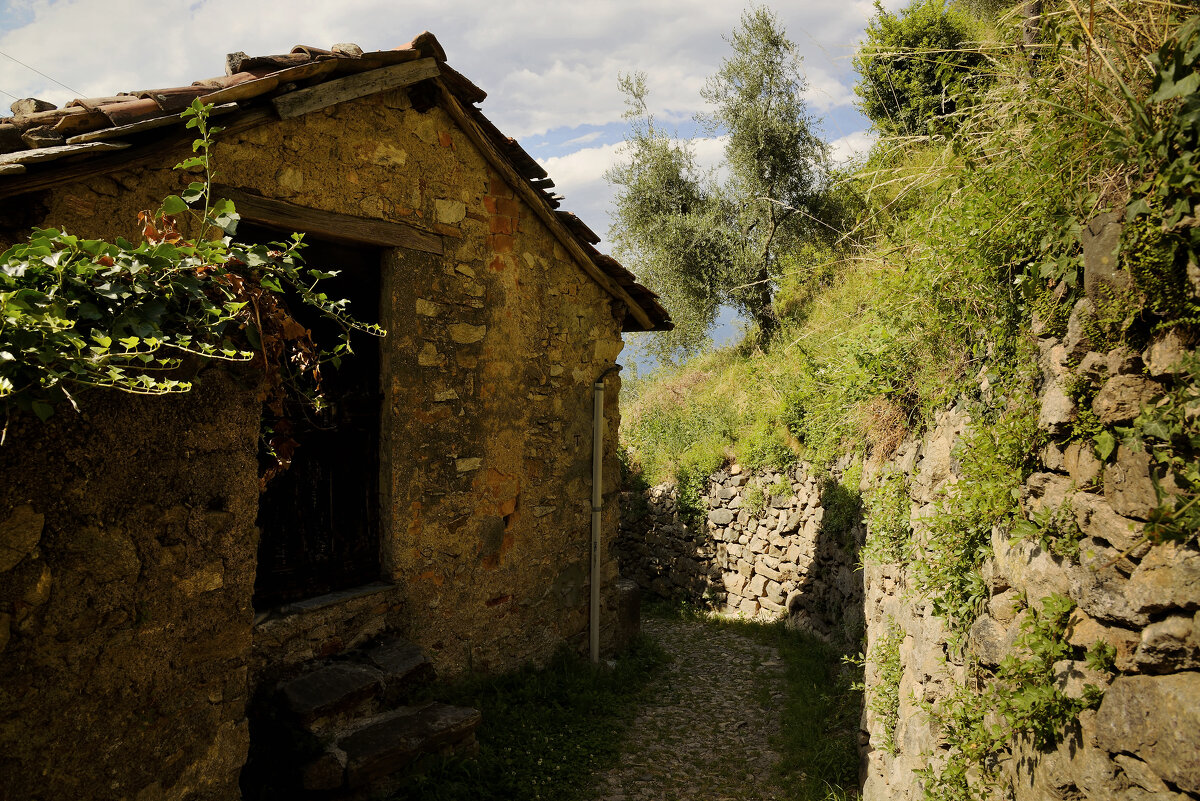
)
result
[(1004, 605), (1102, 593), (774, 593), (402, 664), (1093, 367), (1076, 343), (1123, 361), (1128, 486), (1138, 774), (770, 606), (1167, 579), (1084, 631), (757, 585), (1157, 718), (987, 640), (1102, 273), (1048, 489), (1071, 677), (332, 690), (1028, 568), (768, 572), (1081, 463), (1169, 645), (1122, 397), (19, 535), (720, 517), (1165, 354), (1057, 410), (389, 742), (1053, 457), (1097, 519)]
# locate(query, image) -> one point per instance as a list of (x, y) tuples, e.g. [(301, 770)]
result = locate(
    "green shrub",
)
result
[(918, 68), (889, 520)]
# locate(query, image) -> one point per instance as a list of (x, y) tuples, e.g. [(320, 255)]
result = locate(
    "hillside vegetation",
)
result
[(958, 238)]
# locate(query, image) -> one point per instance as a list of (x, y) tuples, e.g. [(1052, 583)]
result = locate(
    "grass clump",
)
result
[(544, 731), (889, 520)]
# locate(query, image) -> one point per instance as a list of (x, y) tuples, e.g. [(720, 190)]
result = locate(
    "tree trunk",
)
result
[(1031, 28), (761, 308)]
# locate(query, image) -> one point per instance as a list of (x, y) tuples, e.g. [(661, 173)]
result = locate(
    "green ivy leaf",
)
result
[(1105, 443), (42, 409), (172, 204)]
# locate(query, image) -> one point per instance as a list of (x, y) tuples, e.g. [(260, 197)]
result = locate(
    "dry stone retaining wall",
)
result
[(757, 554), (1142, 742)]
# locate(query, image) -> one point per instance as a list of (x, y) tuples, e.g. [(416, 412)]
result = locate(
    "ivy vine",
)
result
[(77, 313)]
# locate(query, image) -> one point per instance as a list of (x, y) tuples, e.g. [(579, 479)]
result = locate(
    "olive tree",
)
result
[(700, 242)]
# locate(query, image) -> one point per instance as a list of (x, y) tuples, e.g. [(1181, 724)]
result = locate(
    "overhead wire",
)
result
[(39, 72)]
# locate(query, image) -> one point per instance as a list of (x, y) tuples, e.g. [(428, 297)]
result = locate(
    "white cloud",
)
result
[(547, 66), (851, 146)]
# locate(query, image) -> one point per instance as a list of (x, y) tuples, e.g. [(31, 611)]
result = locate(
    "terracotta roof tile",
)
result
[(129, 111)]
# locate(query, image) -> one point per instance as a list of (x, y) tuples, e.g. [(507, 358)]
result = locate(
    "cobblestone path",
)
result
[(704, 731)]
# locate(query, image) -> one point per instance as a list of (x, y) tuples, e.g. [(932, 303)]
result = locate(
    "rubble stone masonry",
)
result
[(1143, 742)]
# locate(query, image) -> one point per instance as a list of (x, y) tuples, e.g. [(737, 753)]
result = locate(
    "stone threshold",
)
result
[(322, 602)]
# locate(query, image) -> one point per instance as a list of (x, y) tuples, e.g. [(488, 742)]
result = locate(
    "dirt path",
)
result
[(705, 731)]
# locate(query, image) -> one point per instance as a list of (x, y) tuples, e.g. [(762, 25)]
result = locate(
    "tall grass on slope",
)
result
[(970, 241)]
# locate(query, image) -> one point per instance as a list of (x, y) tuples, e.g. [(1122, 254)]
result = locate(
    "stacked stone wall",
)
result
[(757, 555), (1143, 601), (127, 549), (1143, 740)]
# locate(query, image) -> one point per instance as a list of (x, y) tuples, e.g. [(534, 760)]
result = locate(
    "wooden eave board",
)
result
[(328, 224), (117, 131), (108, 157), (532, 199), (61, 151), (352, 87)]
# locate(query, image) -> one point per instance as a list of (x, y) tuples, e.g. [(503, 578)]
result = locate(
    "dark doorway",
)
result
[(319, 520)]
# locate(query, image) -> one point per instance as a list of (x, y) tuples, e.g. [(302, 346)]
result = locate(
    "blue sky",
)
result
[(550, 68)]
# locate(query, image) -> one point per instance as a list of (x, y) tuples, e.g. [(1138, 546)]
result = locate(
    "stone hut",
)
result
[(146, 590)]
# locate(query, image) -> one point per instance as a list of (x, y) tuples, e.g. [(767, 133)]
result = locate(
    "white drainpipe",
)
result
[(597, 505)]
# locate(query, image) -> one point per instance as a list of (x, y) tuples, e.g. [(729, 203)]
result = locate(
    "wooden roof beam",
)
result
[(329, 225)]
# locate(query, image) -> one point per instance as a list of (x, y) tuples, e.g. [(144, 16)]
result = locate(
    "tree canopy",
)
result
[(703, 242), (917, 67)]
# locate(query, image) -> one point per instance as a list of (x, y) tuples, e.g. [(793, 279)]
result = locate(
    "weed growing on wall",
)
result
[(889, 520), (1170, 432), (1055, 530), (996, 458), (754, 500), (883, 695), (1021, 699)]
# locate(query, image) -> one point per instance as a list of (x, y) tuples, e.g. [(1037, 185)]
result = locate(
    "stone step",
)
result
[(333, 692), (404, 667), (330, 693), (367, 757)]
